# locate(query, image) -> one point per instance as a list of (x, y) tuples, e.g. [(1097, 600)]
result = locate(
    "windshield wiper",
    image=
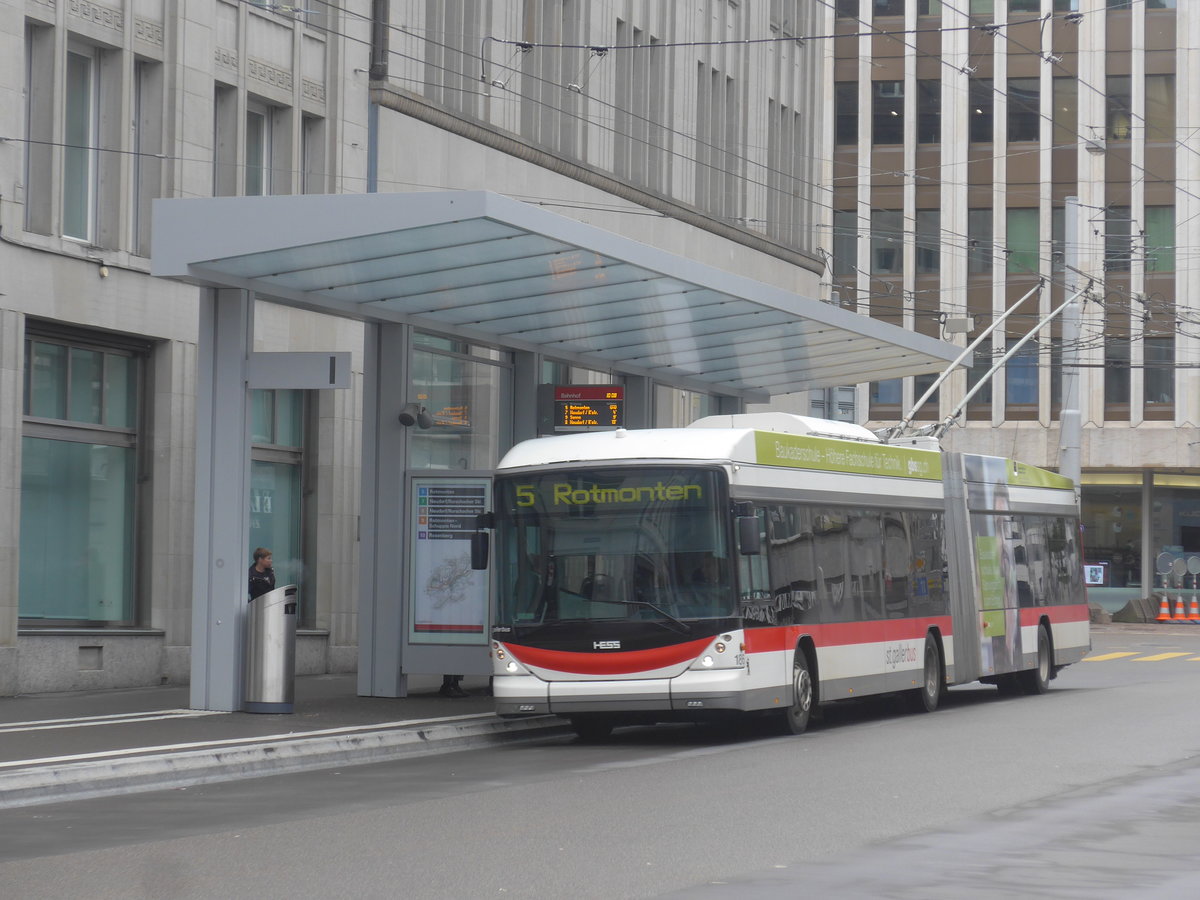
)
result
[(646, 603)]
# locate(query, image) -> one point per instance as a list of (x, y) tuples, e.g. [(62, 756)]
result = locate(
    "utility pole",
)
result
[(1070, 420)]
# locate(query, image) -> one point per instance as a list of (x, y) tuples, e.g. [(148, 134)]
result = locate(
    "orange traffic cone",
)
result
[(1180, 615), (1194, 610), (1164, 610)]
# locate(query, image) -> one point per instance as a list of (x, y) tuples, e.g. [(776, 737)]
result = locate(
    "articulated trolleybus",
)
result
[(771, 562)]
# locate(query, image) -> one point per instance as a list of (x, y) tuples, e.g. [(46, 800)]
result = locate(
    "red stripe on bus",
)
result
[(840, 634), (1058, 615), (602, 662)]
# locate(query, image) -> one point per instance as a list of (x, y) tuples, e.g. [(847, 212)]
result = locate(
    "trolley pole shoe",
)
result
[(1180, 612), (1164, 610), (1194, 610)]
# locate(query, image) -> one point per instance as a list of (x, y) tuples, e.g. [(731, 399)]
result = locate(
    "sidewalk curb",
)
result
[(105, 777)]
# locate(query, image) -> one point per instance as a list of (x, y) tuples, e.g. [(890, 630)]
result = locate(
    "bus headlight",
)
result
[(505, 661), (725, 652)]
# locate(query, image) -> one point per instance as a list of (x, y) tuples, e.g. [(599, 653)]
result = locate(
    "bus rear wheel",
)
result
[(932, 685), (797, 717), (1037, 681)]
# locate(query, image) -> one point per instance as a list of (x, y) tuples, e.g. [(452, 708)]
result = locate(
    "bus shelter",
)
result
[(481, 267)]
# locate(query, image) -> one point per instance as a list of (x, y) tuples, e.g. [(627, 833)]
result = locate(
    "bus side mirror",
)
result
[(749, 539), (479, 541), (479, 550)]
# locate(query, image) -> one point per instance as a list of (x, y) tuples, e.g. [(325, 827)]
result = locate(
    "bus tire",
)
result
[(932, 683), (592, 728), (797, 716), (1037, 681)]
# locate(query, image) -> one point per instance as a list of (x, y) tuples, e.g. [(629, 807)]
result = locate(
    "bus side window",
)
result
[(753, 580)]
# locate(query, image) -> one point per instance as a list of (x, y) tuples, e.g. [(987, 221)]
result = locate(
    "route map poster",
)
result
[(449, 598)]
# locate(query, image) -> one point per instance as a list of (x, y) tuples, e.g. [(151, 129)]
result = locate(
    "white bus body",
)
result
[(773, 562)]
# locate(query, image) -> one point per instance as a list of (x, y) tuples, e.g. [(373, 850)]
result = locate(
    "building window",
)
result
[(787, 187), (1066, 111), (1118, 239), (982, 7), (929, 111), (929, 7), (466, 390), (1111, 515), (982, 102), (1119, 107), (887, 112), (675, 407), (719, 186), (1024, 117), (929, 241), (277, 486), (79, 481), (845, 242), (1024, 6), (979, 241), (1158, 373), (1160, 107), (978, 371), (312, 155), (1022, 241), (1020, 375), (922, 383), (847, 9), (1116, 370), (846, 111), (147, 148), (1160, 238), (639, 138), (888, 7), (887, 242), (886, 394), (258, 150), (81, 137)]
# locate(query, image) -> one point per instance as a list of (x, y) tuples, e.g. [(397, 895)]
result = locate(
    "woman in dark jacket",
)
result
[(262, 576)]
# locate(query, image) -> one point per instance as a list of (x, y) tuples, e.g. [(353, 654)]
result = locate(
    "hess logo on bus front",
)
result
[(606, 645)]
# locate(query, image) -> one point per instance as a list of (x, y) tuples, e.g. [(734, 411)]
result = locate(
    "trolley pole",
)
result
[(1070, 420)]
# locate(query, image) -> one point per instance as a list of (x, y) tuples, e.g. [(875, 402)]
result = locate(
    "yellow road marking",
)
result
[(1159, 656), (1107, 656)]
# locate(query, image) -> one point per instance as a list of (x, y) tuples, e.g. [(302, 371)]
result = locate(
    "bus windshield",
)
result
[(612, 544)]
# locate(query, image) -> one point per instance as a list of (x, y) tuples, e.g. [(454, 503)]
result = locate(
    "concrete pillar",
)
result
[(219, 588)]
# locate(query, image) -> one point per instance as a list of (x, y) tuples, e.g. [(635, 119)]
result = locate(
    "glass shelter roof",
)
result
[(494, 269)]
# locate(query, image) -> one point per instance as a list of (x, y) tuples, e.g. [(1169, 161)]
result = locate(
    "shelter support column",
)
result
[(382, 599), (221, 514), (639, 402)]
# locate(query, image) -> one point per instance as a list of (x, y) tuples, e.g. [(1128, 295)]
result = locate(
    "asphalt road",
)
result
[(1088, 791)]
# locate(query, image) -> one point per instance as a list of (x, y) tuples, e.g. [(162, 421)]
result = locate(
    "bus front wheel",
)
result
[(799, 713)]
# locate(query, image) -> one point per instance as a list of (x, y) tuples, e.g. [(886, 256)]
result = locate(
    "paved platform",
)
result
[(96, 743)]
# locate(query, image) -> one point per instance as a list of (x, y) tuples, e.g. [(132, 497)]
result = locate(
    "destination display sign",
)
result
[(585, 407)]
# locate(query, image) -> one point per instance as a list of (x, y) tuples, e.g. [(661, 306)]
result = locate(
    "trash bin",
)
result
[(271, 651)]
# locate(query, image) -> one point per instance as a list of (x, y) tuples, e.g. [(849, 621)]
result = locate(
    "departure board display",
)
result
[(586, 407)]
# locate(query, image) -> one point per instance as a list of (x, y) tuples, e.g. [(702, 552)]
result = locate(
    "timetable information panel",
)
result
[(586, 407)]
